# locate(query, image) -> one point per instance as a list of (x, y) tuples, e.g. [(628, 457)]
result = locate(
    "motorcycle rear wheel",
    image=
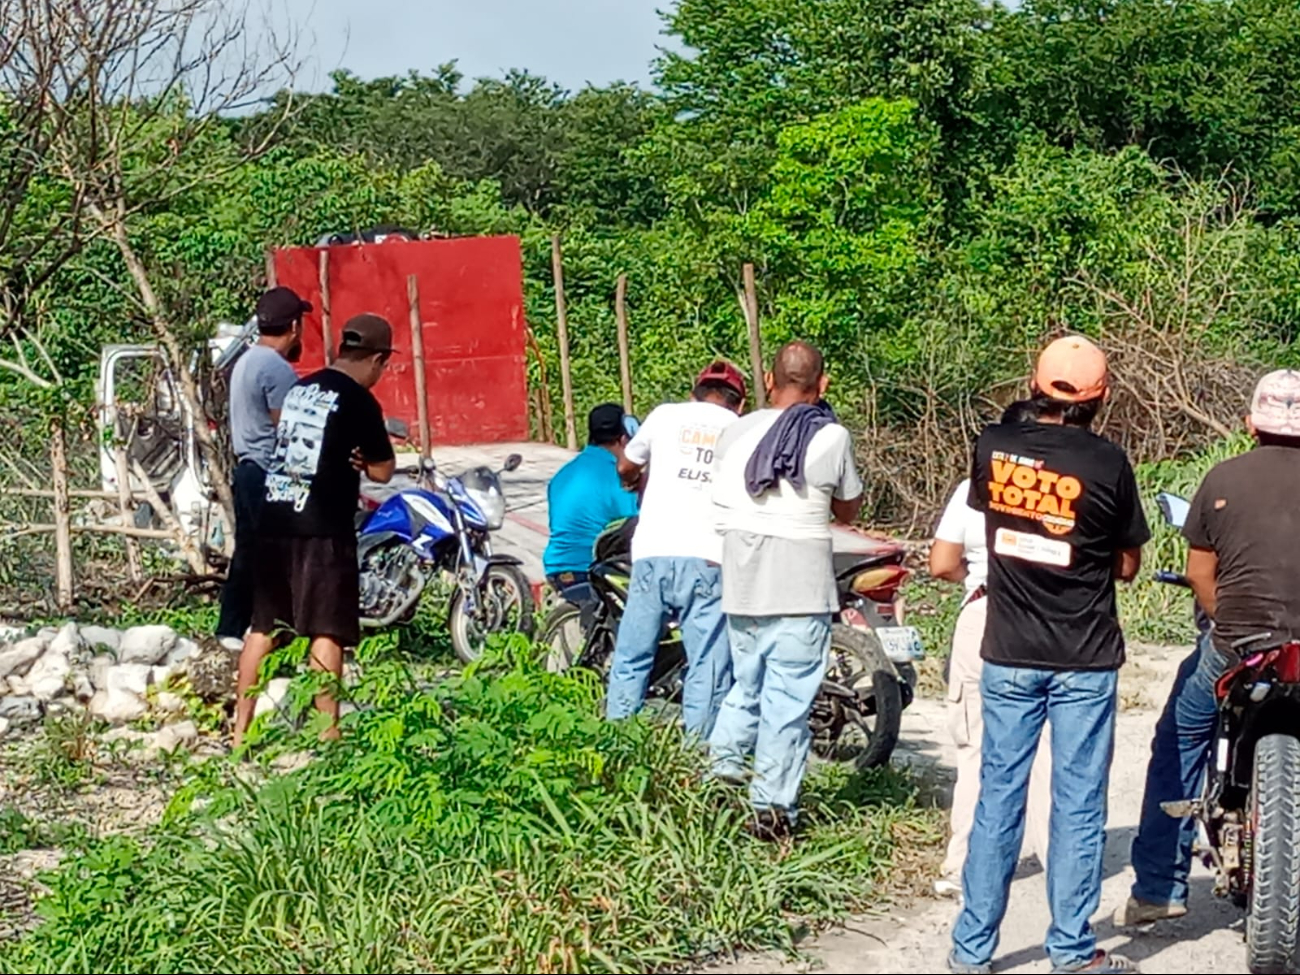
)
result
[(506, 606), (864, 731), (563, 636), (1273, 921)]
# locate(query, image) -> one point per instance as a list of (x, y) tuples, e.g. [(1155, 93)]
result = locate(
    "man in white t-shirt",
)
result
[(676, 552), (782, 474), (960, 554)]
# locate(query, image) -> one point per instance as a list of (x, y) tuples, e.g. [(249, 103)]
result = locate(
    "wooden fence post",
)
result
[(755, 338), (124, 504), (326, 330), (62, 518), (417, 352), (624, 363), (270, 269), (562, 325)]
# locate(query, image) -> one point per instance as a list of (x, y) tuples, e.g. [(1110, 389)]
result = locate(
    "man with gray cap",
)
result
[(1243, 530), (258, 384), (307, 581)]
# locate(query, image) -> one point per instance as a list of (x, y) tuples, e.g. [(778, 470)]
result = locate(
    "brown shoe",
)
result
[(769, 825), (1135, 913)]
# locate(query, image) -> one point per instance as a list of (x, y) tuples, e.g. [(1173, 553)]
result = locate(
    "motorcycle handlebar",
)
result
[(1172, 578)]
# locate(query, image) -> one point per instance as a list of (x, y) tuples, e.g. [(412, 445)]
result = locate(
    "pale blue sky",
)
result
[(569, 41)]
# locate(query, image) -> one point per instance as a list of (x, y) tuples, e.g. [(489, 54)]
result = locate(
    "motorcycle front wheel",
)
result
[(858, 713), (1273, 921), (504, 605)]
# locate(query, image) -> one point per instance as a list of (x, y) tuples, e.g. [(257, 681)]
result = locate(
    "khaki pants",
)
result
[(966, 725)]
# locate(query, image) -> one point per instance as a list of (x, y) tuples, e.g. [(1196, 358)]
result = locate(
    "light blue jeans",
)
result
[(691, 590), (1080, 706), (779, 662)]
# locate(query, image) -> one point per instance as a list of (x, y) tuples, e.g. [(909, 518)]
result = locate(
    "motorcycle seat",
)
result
[(851, 563)]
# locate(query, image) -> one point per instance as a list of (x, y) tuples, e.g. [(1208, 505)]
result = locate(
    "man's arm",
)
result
[(374, 456), (630, 473), (1128, 563), (1203, 576), (276, 386), (636, 455), (381, 472), (1133, 529), (846, 512), (947, 561), (846, 499)]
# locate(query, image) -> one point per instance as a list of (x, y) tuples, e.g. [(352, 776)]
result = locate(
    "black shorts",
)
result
[(309, 586)]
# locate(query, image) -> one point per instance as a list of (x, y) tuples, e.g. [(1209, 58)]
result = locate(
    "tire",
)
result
[(1273, 921), (862, 733), (509, 609), (561, 633)]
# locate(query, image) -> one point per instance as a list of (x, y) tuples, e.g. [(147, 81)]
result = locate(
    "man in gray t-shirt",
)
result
[(780, 475), (258, 384)]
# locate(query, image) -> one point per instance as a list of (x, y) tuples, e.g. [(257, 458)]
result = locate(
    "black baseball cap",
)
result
[(367, 333), (605, 423), (278, 309)]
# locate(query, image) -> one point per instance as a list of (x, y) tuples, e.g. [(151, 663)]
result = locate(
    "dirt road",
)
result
[(916, 939)]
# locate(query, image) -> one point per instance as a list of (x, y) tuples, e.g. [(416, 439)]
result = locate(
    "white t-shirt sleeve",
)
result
[(638, 448), (850, 484), (952, 526)]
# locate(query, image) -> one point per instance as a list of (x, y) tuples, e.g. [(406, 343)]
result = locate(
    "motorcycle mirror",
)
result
[(1173, 508), (397, 429), (513, 462)]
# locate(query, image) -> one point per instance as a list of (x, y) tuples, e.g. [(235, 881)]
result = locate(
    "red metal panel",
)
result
[(472, 319)]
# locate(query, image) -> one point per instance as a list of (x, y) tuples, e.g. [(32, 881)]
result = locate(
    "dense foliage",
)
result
[(926, 187)]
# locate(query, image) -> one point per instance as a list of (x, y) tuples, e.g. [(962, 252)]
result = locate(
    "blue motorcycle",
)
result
[(441, 526)]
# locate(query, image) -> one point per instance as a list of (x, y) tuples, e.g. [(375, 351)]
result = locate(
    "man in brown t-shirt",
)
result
[(1244, 533)]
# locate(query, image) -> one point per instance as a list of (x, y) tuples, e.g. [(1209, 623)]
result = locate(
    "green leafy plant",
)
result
[(487, 821)]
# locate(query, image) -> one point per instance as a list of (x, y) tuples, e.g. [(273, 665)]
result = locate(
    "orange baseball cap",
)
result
[(1072, 369)]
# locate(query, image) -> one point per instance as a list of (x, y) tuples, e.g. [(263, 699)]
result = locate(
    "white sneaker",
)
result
[(948, 887), (231, 643)]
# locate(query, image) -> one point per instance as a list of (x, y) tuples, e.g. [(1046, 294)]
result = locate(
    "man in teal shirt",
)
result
[(583, 497)]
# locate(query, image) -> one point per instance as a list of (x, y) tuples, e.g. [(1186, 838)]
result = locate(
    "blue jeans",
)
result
[(1081, 707), (573, 587), (691, 590), (779, 663), (1162, 850)]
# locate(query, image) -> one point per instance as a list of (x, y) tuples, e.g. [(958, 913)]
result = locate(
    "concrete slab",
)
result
[(525, 532)]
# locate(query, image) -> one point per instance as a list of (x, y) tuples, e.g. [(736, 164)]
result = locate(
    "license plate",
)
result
[(902, 644)]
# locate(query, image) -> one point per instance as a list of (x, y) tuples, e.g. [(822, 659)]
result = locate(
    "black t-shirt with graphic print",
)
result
[(1060, 504), (311, 485), (1245, 512)]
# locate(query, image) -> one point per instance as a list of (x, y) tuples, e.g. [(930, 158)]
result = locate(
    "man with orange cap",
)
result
[(1063, 521), (1243, 532)]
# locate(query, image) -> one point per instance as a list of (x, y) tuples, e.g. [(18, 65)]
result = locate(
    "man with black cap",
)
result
[(331, 431), (258, 384), (584, 496)]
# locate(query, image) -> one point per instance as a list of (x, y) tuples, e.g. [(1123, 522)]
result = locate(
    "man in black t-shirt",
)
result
[(331, 430), (1063, 522), (1243, 530)]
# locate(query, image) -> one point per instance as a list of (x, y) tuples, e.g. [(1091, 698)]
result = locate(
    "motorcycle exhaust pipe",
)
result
[(402, 609)]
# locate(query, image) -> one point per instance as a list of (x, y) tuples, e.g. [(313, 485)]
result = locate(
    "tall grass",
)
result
[(488, 823)]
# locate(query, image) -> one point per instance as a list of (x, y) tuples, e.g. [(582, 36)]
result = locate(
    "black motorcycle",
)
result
[(1249, 812), (858, 711)]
